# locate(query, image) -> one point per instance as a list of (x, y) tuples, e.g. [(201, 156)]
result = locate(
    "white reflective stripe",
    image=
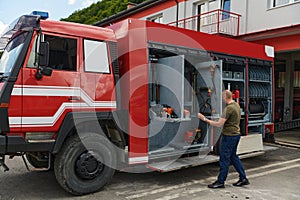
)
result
[(15, 120), (137, 160), (45, 92), (61, 92), (54, 91), (30, 90), (16, 91), (50, 121), (43, 120)]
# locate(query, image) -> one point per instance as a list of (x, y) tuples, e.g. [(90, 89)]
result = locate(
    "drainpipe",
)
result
[(177, 12), (247, 18)]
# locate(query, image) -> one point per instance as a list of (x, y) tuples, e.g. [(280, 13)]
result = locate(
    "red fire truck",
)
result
[(86, 101)]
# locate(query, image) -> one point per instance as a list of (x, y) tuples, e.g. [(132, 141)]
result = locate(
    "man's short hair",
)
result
[(228, 94)]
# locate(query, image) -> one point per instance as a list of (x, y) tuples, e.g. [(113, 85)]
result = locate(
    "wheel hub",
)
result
[(88, 166)]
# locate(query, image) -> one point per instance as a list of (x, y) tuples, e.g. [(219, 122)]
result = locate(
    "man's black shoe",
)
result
[(241, 182), (216, 185)]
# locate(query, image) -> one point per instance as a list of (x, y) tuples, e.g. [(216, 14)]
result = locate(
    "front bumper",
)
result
[(16, 144), (2, 145)]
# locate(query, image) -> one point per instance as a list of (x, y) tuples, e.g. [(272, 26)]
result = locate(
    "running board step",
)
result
[(171, 165)]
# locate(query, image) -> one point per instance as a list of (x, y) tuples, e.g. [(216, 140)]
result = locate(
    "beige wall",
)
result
[(257, 15)]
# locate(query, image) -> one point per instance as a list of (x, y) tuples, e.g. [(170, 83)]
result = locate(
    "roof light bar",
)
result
[(44, 15)]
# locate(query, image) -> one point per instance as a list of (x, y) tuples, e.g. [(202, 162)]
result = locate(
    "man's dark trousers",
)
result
[(228, 155)]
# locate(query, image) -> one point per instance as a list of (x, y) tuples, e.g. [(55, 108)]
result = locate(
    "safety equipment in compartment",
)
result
[(197, 135), (236, 94), (256, 110), (168, 112), (189, 136), (227, 74)]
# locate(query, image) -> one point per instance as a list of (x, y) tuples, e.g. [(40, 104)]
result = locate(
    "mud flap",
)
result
[(2, 163)]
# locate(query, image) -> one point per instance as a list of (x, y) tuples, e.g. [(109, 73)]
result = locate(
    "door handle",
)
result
[(74, 98)]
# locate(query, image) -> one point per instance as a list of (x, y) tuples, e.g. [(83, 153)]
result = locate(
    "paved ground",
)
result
[(291, 137), (274, 175)]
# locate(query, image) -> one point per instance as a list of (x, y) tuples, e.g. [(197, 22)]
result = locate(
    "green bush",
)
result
[(99, 11)]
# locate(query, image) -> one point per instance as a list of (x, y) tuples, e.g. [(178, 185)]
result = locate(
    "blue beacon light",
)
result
[(44, 15)]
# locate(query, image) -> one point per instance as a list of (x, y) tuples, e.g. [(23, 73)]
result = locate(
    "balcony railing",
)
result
[(213, 22)]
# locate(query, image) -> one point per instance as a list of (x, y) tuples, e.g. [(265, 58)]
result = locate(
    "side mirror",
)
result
[(47, 71), (43, 60)]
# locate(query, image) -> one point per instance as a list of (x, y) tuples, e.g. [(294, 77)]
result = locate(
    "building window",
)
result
[(226, 7), (156, 18), (277, 3), (96, 56), (213, 5)]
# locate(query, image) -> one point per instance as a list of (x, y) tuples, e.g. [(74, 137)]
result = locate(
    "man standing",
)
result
[(230, 120)]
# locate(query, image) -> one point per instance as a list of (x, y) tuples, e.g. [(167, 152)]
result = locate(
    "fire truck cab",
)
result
[(86, 101)]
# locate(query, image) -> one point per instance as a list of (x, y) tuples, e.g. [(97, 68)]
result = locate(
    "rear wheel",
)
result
[(84, 165)]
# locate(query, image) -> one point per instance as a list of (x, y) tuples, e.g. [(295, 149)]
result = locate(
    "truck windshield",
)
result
[(11, 54)]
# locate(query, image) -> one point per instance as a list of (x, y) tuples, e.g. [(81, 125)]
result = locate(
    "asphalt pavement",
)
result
[(273, 175)]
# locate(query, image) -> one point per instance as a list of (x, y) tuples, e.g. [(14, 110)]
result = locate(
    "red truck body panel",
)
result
[(133, 36), (41, 105), (92, 99)]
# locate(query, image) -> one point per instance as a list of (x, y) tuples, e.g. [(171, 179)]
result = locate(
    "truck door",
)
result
[(167, 133), (210, 77), (97, 80), (46, 101)]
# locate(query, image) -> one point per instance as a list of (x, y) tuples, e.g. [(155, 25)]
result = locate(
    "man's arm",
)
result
[(218, 123)]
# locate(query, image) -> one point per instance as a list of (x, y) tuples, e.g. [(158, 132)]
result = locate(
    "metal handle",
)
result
[(74, 98)]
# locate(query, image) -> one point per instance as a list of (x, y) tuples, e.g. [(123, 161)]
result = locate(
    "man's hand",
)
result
[(202, 117)]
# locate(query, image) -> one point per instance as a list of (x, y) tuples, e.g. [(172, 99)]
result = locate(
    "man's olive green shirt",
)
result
[(232, 114)]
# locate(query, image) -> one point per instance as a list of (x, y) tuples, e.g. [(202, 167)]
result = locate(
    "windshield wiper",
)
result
[(2, 77)]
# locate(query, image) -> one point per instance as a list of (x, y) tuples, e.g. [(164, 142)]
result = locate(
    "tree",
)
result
[(100, 10)]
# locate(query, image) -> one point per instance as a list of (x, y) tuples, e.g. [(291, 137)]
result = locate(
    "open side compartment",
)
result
[(182, 82)]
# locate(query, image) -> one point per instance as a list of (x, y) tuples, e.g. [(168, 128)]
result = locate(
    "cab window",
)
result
[(96, 56), (62, 52)]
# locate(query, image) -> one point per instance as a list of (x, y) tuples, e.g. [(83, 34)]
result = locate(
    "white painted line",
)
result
[(165, 189), (196, 190), (136, 196), (274, 171), (178, 195), (273, 165)]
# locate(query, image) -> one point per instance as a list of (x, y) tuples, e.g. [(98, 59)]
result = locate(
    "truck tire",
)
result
[(84, 165)]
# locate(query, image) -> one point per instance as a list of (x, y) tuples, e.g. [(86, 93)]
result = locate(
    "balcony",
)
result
[(212, 22)]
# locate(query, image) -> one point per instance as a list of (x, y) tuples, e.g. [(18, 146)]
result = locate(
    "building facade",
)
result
[(270, 22)]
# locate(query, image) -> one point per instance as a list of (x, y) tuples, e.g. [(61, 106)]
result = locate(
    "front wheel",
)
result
[(85, 164)]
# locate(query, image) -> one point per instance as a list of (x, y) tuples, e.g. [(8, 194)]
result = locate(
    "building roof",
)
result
[(271, 33), (283, 39), (126, 13)]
